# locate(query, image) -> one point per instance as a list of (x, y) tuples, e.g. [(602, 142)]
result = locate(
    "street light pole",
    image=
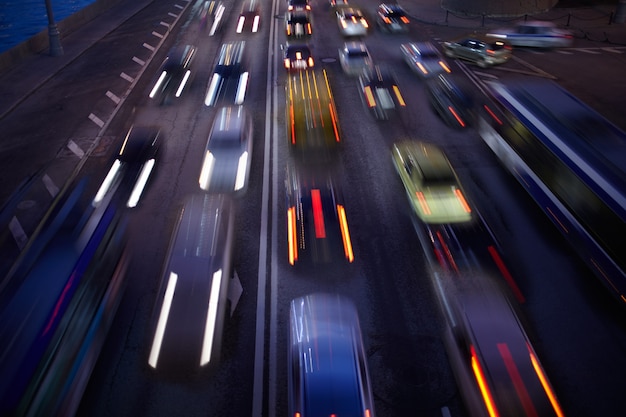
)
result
[(53, 33)]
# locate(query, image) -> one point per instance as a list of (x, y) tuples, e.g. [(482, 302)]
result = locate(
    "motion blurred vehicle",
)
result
[(58, 303), (496, 367), (392, 18), (317, 226), (174, 75), (190, 309), (211, 16), (355, 58), (338, 3), (380, 92), (484, 51), (424, 59), (351, 21), (230, 77), (226, 164), (327, 367), (311, 116), (539, 34), (430, 182), (298, 5), (297, 57), (451, 99), (571, 161), (133, 165), (298, 24), (250, 16)]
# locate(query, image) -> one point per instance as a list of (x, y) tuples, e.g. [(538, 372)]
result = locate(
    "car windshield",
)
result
[(357, 54)]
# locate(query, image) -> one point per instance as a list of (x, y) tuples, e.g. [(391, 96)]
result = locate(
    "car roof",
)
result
[(139, 142), (228, 125)]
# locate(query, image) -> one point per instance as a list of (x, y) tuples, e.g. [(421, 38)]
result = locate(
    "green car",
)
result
[(430, 182)]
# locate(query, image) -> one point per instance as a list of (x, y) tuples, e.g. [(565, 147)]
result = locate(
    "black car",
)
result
[(297, 57), (133, 166), (229, 82), (380, 92), (174, 75), (392, 18), (298, 24), (452, 100), (317, 225)]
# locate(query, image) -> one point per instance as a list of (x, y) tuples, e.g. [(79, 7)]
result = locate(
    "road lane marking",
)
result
[(98, 121), (178, 5), (18, 233), (75, 149), (50, 185), (565, 52), (164, 24), (148, 46), (157, 34), (613, 50), (139, 61), (115, 99), (127, 77), (172, 14), (588, 51)]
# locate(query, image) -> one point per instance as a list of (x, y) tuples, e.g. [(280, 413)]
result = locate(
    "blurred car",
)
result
[(484, 51), (230, 78), (250, 16), (327, 367), (351, 21), (298, 5), (338, 3), (132, 166), (430, 182), (175, 74), (226, 164), (355, 58), (297, 57), (392, 18), (535, 33), (317, 226), (424, 59), (298, 24), (496, 368), (452, 100), (190, 309), (211, 16), (380, 91), (312, 124)]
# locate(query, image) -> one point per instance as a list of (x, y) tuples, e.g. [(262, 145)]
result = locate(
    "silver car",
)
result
[(226, 165), (424, 59), (355, 58), (537, 34), (484, 51)]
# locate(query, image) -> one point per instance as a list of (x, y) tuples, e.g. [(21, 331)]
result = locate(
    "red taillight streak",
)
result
[(334, 120), (291, 235), (456, 116), (446, 251), (516, 378), (462, 200), (492, 114), (318, 214), (345, 233), (544, 382), (482, 385), (57, 306), (423, 203), (505, 272)]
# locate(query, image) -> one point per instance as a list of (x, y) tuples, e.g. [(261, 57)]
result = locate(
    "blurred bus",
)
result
[(572, 161)]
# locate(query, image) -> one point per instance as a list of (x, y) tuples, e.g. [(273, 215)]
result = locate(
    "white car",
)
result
[(355, 58), (424, 59), (351, 21), (538, 34), (226, 165)]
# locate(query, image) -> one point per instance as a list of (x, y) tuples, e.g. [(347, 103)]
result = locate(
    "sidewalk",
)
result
[(594, 23), (19, 82)]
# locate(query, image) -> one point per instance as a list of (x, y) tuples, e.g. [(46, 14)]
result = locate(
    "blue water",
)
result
[(22, 19)]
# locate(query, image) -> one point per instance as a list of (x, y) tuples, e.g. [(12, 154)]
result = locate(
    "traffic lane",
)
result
[(186, 125), (64, 103)]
